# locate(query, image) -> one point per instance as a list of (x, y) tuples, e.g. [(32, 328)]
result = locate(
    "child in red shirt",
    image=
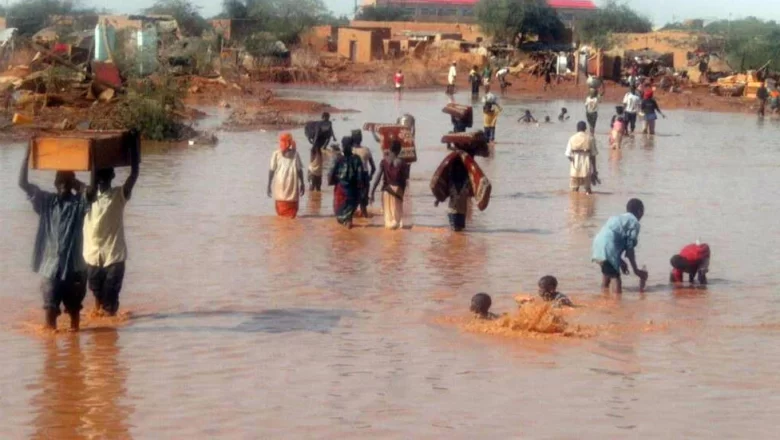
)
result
[(398, 79), (692, 259)]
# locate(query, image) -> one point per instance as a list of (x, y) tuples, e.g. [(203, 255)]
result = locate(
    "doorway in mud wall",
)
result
[(353, 50)]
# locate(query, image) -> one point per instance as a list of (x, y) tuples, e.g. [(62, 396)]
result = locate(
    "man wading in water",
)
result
[(105, 250), (369, 168), (319, 139), (57, 256)]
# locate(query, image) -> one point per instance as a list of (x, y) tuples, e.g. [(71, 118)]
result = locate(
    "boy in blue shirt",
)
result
[(619, 236)]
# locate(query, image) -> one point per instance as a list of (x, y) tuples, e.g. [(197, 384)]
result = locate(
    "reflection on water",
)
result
[(251, 326), (82, 388)]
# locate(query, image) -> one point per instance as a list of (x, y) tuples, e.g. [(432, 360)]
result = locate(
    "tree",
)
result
[(30, 16), (513, 21), (285, 19), (382, 13), (750, 42), (613, 17), (186, 14)]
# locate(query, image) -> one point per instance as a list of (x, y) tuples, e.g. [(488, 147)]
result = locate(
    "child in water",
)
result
[(564, 116), (490, 112), (617, 238), (693, 259), (480, 306), (527, 118), (548, 286), (616, 135)]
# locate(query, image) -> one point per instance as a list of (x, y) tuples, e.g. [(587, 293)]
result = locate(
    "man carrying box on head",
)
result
[(57, 255), (105, 250)]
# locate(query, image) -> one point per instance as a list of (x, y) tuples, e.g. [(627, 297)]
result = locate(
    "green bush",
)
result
[(151, 108)]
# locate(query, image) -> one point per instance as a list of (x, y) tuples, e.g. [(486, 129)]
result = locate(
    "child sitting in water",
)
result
[(480, 306), (693, 259), (527, 118), (548, 286), (564, 116)]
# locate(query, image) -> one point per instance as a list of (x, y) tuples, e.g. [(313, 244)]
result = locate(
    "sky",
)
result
[(659, 11)]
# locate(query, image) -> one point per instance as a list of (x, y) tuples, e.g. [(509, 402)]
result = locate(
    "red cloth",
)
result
[(695, 254), (399, 78), (287, 209), (61, 49)]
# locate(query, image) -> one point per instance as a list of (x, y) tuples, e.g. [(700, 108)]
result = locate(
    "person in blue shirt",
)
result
[(58, 255), (619, 237)]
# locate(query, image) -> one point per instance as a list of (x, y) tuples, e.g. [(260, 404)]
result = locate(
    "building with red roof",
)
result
[(462, 11)]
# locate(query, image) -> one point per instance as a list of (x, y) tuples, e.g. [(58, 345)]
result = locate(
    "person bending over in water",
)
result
[(564, 116), (480, 306), (58, 255), (527, 117), (619, 236), (548, 286), (693, 259)]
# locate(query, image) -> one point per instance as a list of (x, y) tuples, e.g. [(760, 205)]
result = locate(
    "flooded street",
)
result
[(245, 326)]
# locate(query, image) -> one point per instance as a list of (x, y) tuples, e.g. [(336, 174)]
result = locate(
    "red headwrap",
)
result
[(648, 93), (286, 141)]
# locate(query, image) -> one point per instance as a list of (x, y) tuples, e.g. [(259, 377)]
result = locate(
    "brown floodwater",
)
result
[(242, 325)]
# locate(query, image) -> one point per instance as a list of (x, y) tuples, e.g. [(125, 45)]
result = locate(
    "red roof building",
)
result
[(462, 11)]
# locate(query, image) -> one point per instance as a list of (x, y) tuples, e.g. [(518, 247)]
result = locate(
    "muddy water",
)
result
[(247, 326)]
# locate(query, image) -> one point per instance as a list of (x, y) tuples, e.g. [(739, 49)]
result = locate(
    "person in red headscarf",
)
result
[(693, 259), (651, 111), (285, 177)]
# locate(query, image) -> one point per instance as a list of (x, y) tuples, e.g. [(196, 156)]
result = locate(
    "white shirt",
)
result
[(104, 229), (580, 148), (592, 105), (502, 72), (452, 75), (632, 102), (286, 184)]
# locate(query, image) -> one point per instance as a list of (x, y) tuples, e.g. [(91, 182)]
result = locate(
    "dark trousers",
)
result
[(592, 119), (457, 221), (106, 283), (69, 292), (630, 122), (490, 134), (608, 271)]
